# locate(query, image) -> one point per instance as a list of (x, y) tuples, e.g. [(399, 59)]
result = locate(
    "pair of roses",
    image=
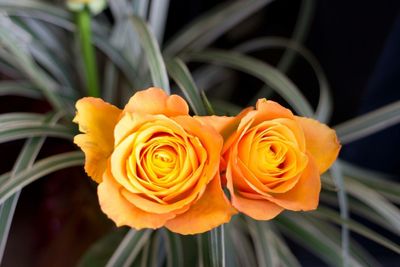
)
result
[(158, 166)]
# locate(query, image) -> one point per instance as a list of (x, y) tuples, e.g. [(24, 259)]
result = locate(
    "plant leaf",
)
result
[(369, 123), (259, 69), (153, 54), (43, 167), (207, 28), (181, 75), (129, 248)]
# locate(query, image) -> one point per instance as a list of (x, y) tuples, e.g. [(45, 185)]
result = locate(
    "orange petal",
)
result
[(305, 194), (121, 211), (226, 126), (268, 110), (96, 120), (321, 142), (211, 210), (156, 101), (258, 209)]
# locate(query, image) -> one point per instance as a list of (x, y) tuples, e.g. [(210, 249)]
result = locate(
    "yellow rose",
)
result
[(156, 166), (274, 159)]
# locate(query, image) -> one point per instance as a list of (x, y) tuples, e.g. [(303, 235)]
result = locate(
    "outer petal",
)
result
[(226, 126), (211, 210), (96, 120), (305, 194), (259, 209), (156, 101), (321, 142), (121, 211)]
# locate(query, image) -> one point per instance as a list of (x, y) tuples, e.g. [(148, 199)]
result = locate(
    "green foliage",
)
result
[(39, 55)]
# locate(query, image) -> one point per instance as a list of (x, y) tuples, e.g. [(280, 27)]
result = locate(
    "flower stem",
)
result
[(83, 22)]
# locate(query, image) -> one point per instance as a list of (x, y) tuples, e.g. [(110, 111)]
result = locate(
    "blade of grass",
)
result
[(24, 62), (129, 248), (238, 231), (357, 228), (265, 249), (207, 28), (151, 49), (216, 238), (158, 18), (181, 75), (14, 117), (100, 252), (317, 241), (300, 33), (24, 161), (259, 69), (376, 201), (337, 175), (173, 244), (380, 182), (287, 258), (369, 123), (357, 253), (325, 105), (27, 130), (38, 170)]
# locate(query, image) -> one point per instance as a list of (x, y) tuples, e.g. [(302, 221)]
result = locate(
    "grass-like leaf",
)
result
[(305, 233), (358, 228), (181, 75), (369, 123), (24, 61), (32, 129), (337, 175), (101, 251), (259, 69), (265, 248), (129, 248), (325, 104), (174, 249), (151, 49), (210, 26), (38, 170)]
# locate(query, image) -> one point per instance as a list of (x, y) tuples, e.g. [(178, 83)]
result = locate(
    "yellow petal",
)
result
[(305, 194), (121, 211), (96, 120), (155, 101), (321, 142), (210, 211)]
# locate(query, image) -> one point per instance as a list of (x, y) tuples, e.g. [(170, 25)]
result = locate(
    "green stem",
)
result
[(83, 22)]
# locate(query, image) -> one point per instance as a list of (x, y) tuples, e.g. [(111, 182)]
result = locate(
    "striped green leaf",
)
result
[(259, 69), (151, 49)]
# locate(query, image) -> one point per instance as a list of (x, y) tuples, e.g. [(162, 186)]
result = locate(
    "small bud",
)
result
[(95, 6)]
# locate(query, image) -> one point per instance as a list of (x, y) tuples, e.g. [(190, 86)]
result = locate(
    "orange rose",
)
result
[(274, 159), (156, 165)]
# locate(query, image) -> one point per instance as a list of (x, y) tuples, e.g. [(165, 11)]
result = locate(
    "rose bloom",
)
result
[(156, 166), (273, 159)]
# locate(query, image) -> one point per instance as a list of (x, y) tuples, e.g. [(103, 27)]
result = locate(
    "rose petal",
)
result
[(305, 194), (156, 101), (121, 211), (211, 210), (258, 209), (321, 142), (96, 120)]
